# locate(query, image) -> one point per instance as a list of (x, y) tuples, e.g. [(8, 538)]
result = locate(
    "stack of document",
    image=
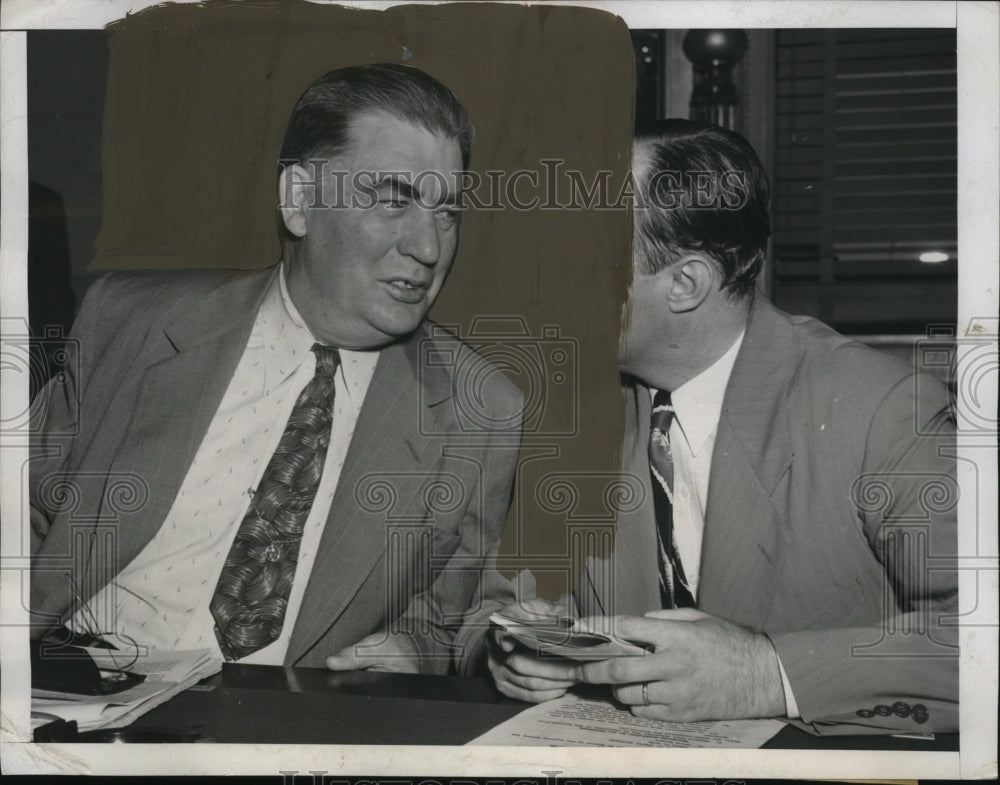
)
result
[(551, 635), (166, 674)]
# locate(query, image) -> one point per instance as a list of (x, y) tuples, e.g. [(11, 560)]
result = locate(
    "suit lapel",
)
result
[(743, 530), (169, 419), (394, 437), (636, 572), (627, 582)]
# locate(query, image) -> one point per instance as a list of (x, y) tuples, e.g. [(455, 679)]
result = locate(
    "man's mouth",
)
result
[(407, 290)]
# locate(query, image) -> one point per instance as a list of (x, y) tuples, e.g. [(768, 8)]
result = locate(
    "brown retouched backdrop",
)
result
[(196, 105)]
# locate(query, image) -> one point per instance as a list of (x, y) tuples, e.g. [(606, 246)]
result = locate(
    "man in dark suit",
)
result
[(794, 552), (299, 484)]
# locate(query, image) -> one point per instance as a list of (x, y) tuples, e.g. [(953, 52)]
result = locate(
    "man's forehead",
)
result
[(388, 132)]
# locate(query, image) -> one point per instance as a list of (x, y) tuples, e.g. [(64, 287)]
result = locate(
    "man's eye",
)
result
[(446, 216), (394, 204)]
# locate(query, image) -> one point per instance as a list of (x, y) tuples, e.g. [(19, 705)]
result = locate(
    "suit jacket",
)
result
[(830, 526), (419, 506)]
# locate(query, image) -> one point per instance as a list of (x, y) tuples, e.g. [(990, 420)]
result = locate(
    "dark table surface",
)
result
[(268, 704)]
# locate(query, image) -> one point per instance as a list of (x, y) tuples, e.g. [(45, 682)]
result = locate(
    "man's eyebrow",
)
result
[(404, 189), (398, 184)]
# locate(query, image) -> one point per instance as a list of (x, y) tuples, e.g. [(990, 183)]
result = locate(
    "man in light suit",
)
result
[(162, 512), (807, 568)]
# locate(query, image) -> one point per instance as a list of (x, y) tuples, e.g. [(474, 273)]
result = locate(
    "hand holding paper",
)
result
[(517, 669), (701, 668)]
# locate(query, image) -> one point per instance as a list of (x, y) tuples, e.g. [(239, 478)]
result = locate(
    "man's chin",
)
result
[(400, 328)]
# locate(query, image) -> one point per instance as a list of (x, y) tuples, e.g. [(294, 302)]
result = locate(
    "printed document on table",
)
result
[(167, 674), (574, 721)]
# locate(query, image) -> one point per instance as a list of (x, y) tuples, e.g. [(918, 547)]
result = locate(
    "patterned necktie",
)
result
[(252, 593), (674, 592)]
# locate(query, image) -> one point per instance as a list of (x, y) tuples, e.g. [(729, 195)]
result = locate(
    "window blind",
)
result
[(865, 176)]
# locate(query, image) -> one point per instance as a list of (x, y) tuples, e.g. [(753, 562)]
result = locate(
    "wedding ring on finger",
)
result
[(645, 693)]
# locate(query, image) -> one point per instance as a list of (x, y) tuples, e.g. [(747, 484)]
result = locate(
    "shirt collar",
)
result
[(285, 341), (698, 402), (279, 335), (289, 307)]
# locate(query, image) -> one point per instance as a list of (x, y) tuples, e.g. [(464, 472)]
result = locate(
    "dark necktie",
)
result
[(674, 592), (252, 593)]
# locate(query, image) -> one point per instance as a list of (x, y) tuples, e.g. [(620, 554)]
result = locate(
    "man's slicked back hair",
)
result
[(320, 124), (703, 189)]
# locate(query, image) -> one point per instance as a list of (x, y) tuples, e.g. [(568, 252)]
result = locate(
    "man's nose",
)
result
[(421, 240)]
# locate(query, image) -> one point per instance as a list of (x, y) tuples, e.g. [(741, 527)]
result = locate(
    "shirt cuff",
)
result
[(791, 707)]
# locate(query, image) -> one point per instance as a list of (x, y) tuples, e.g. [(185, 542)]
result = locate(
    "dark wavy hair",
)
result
[(320, 123), (704, 190)]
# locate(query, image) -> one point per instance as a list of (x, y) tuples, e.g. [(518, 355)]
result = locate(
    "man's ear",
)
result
[(293, 196), (692, 279)]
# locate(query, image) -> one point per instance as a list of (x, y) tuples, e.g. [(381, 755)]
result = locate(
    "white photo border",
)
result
[(979, 289)]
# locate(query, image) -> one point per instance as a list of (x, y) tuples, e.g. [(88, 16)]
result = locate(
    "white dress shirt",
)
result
[(697, 406), (161, 599)]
